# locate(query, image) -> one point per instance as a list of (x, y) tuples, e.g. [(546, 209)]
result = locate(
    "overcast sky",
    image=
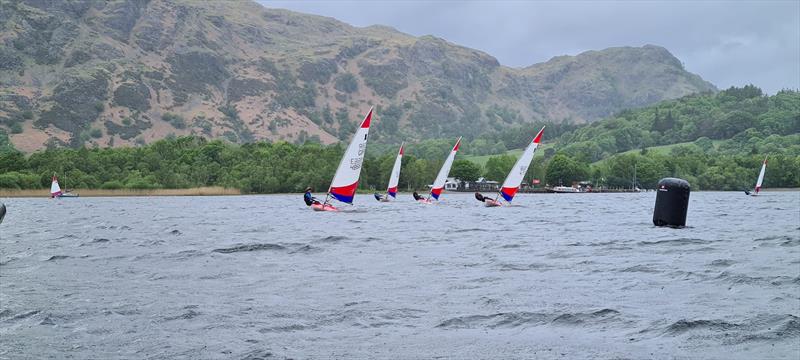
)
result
[(726, 42)]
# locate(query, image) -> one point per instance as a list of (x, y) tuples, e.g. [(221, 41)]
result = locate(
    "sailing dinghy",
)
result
[(517, 173), (345, 181), (55, 190), (441, 178), (394, 178), (760, 179)]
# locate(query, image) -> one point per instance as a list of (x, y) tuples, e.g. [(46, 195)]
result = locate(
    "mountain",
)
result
[(129, 72)]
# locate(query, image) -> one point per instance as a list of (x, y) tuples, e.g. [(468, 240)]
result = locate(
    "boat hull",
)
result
[(491, 203), (323, 207), (67, 195)]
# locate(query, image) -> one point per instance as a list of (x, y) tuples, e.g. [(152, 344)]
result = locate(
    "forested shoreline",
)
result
[(715, 141)]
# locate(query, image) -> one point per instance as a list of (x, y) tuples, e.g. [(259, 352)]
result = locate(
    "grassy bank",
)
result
[(200, 191)]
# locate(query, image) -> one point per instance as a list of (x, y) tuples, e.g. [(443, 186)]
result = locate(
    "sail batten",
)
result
[(345, 181)]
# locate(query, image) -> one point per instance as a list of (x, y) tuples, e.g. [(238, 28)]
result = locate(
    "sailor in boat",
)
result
[(379, 197), (2, 212), (418, 197), (480, 197), (308, 198)]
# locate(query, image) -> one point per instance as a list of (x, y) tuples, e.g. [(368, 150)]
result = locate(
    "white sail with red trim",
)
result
[(517, 173), (441, 178), (55, 190), (345, 181), (394, 178), (761, 175)]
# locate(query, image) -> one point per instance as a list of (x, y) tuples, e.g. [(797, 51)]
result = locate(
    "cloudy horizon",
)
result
[(729, 43)]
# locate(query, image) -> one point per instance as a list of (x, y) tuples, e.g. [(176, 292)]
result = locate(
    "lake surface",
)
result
[(249, 277)]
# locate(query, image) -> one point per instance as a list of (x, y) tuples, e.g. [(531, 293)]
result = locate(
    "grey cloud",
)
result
[(726, 42)]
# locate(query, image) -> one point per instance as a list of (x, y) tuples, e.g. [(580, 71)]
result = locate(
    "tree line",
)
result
[(723, 138)]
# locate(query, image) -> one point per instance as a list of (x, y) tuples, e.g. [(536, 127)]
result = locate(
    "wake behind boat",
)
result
[(760, 180), (345, 181)]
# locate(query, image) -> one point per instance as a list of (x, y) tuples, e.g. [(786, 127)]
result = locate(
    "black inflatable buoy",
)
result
[(2, 212), (672, 201)]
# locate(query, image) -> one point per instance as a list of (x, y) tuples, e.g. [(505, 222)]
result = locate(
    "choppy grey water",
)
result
[(248, 277)]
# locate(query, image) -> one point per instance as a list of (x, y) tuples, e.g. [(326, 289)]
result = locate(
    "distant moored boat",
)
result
[(55, 190)]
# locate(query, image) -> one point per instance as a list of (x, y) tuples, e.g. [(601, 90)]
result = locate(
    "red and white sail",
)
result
[(517, 173), (55, 190), (761, 175), (441, 178), (394, 178), (345, 181)]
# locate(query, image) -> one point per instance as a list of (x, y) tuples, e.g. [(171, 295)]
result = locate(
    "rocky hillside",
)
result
[(126, 72)]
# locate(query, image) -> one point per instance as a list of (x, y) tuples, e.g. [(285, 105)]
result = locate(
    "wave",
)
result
[(96, 241), (19, 316), (185, 316), (640, 268), (523, 318), (287, 328), (524, 267), (258, 355), (760, 328), (722, 262), (305, 249), (781, 240), (333, 238), (249, 247), (57, 257), (741, 279), (682, 326), (456, 231), (676, 242)]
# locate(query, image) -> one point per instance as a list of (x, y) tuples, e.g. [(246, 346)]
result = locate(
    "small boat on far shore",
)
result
[(55, 190), (563, 189)]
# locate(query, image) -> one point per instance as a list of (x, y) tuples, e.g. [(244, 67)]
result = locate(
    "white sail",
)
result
[(394, 178), (761, 175), (438, 184), (55, 190), (345, 181), (517, 173)]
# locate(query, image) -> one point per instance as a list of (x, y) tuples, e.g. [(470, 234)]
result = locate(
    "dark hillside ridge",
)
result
[(124, 72)]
